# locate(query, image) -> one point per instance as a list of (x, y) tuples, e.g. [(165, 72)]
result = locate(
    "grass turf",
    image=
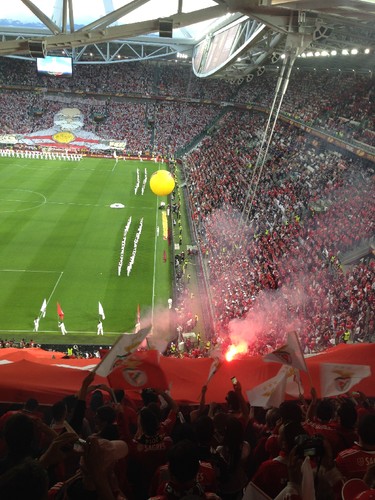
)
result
[(60, 240)]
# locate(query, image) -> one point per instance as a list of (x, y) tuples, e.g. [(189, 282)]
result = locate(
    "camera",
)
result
[(309, 446)]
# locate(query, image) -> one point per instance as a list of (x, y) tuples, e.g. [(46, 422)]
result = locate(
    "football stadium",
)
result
[(187, 249)]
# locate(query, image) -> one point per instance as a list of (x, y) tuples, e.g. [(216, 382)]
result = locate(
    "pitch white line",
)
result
[(54, 288), (35, 334), (18, 201), (76, 204), (25, 271), (139, 207)]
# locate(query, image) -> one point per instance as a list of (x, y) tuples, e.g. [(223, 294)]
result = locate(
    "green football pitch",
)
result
[(60, 240)]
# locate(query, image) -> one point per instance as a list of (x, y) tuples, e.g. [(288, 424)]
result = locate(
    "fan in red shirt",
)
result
[(353, 462), (272, 475), (184, 468)]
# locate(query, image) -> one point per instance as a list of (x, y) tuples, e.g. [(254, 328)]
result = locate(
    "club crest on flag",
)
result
[(284, 355), (337, 379), (122, 359), (121, 349), (136, 378), (269, 390), (289, 354), (119, 361), (342, 382)]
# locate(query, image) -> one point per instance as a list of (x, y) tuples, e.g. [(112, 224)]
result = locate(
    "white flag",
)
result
[(215, 365), (44, 308), (337, 379), (120, 351), (269, 393), (252, 492), (293, 381), (101, 311), (289, 354)]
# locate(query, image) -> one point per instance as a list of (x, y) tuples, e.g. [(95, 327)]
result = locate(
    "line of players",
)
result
[(61, 325), (40, 155)]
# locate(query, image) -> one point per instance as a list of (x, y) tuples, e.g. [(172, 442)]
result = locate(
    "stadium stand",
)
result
[(302, 179), (284, 269)]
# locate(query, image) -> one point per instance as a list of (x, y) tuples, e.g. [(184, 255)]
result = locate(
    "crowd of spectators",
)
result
[(274, 264), (23, 343), (312, 98), (312, 205), (283, 269), (99, 444)]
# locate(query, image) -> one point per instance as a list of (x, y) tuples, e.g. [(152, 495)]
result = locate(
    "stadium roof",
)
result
[(226, 38)]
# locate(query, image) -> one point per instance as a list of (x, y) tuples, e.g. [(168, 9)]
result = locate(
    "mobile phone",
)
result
[(79, 445), (234, 380)]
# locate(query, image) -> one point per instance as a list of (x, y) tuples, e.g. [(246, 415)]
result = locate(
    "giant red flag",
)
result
[(138, 371), (60, 312)]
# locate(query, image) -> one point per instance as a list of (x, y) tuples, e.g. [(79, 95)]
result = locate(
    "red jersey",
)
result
[(328, 431), (206, 476), (353, 462), (272, 476)]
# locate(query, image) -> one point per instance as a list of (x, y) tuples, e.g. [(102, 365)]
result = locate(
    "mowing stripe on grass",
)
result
[(74, 231)]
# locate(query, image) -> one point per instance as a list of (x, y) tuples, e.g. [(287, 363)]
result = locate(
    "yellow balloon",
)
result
[(162, 183)]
